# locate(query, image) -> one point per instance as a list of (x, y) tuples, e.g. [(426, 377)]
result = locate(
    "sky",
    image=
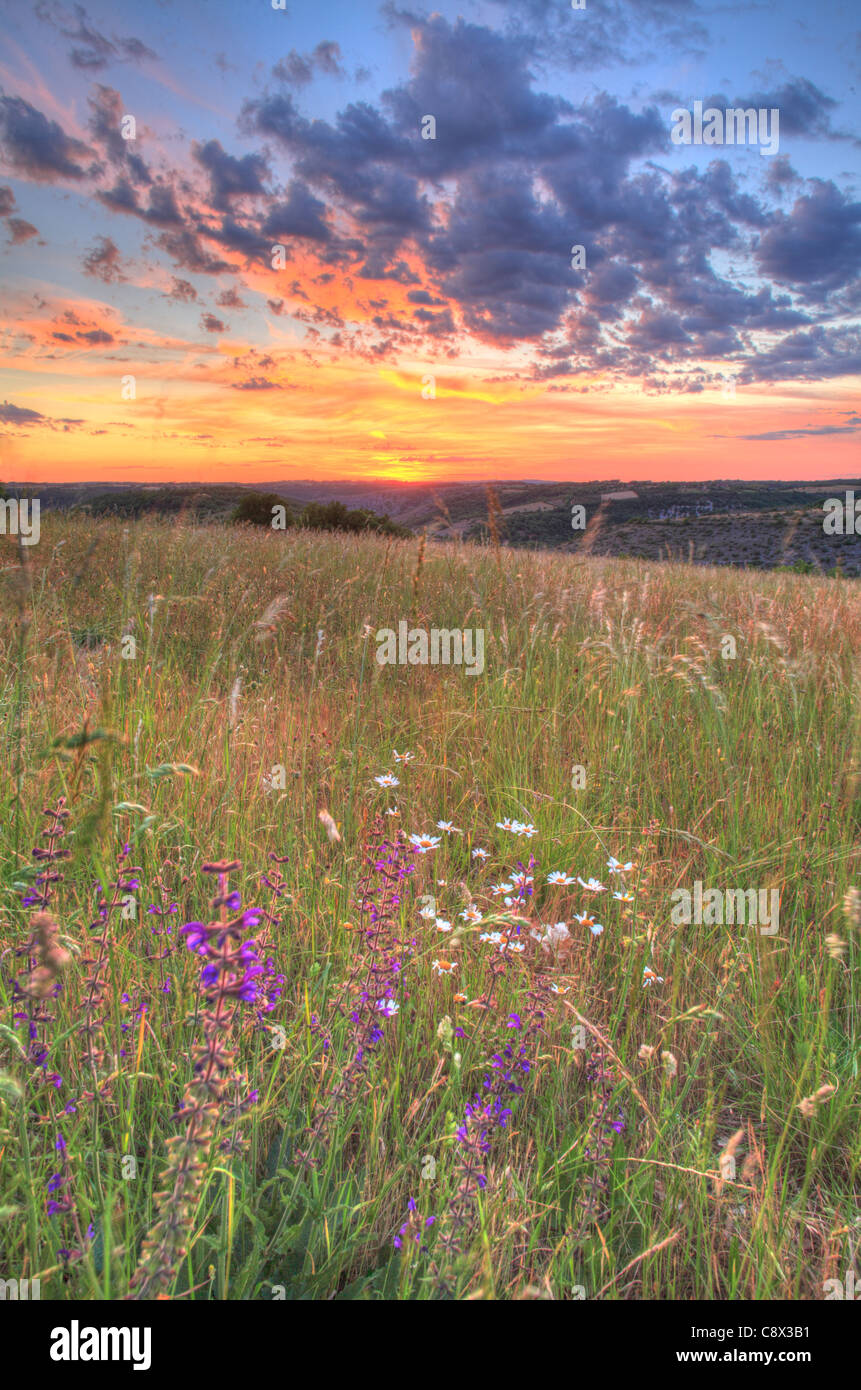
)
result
[(339, 242)]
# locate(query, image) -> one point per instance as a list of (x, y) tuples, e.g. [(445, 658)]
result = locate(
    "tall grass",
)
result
[(255, 653)]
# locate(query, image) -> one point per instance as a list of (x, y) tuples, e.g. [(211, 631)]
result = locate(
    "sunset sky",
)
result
[(713, 333)]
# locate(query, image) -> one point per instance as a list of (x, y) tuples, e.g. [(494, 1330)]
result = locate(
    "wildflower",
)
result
[(387, 779), (528, 831), (444, 967), (480, 854), (442, 924), (402, 757), (460, 998), (587, 920), (560, 880), (423, 843), (472, 915), (228, 978), (508, 824), (447, 826), (625, 897), (494, 937), (616, 868), (650, 978), (592, 885), (388, 1007), (557, 989), (428, 912), (392, 811), (497, 889)]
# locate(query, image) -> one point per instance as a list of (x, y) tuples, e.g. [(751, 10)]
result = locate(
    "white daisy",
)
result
[(592, 885), (471, 914), (557, 877), (444, 967), (616, 868), (387, 779), (442, 924), (423, 843), (402, 757), (480, 854), (447, 826)]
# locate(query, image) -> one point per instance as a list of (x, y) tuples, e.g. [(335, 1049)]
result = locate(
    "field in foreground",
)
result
[(664, 1110)]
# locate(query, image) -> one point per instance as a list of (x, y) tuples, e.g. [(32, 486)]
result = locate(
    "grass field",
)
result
[(665, 1138)]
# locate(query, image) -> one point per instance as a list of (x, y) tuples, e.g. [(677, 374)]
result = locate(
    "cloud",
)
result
[(182, 291), (801, 433), (211, 324), (105, 124), (19, 415), (103, 261), (229, 299), (37, 147), (229, 176), (92, 50), (20, 230), (7, 200), (185, 250), (297, 69), (816, 248), (256, 383)]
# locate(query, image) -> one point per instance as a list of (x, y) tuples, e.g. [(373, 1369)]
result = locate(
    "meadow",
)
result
[(399, 1059)]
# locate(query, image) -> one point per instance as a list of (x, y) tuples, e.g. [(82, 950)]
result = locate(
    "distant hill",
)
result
[(731, 522)]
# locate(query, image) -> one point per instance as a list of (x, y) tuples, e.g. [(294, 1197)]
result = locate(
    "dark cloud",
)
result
[(229, 299), (7, 200), (103, 261), (816, 248), (297, 69), (210, 324), (803, 433), (37, 147), (804, 109), (301, 215), (230, 177), (256, 383), (185, 250), (19, 415), (19, 230), (91, 49), (182, 291)]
